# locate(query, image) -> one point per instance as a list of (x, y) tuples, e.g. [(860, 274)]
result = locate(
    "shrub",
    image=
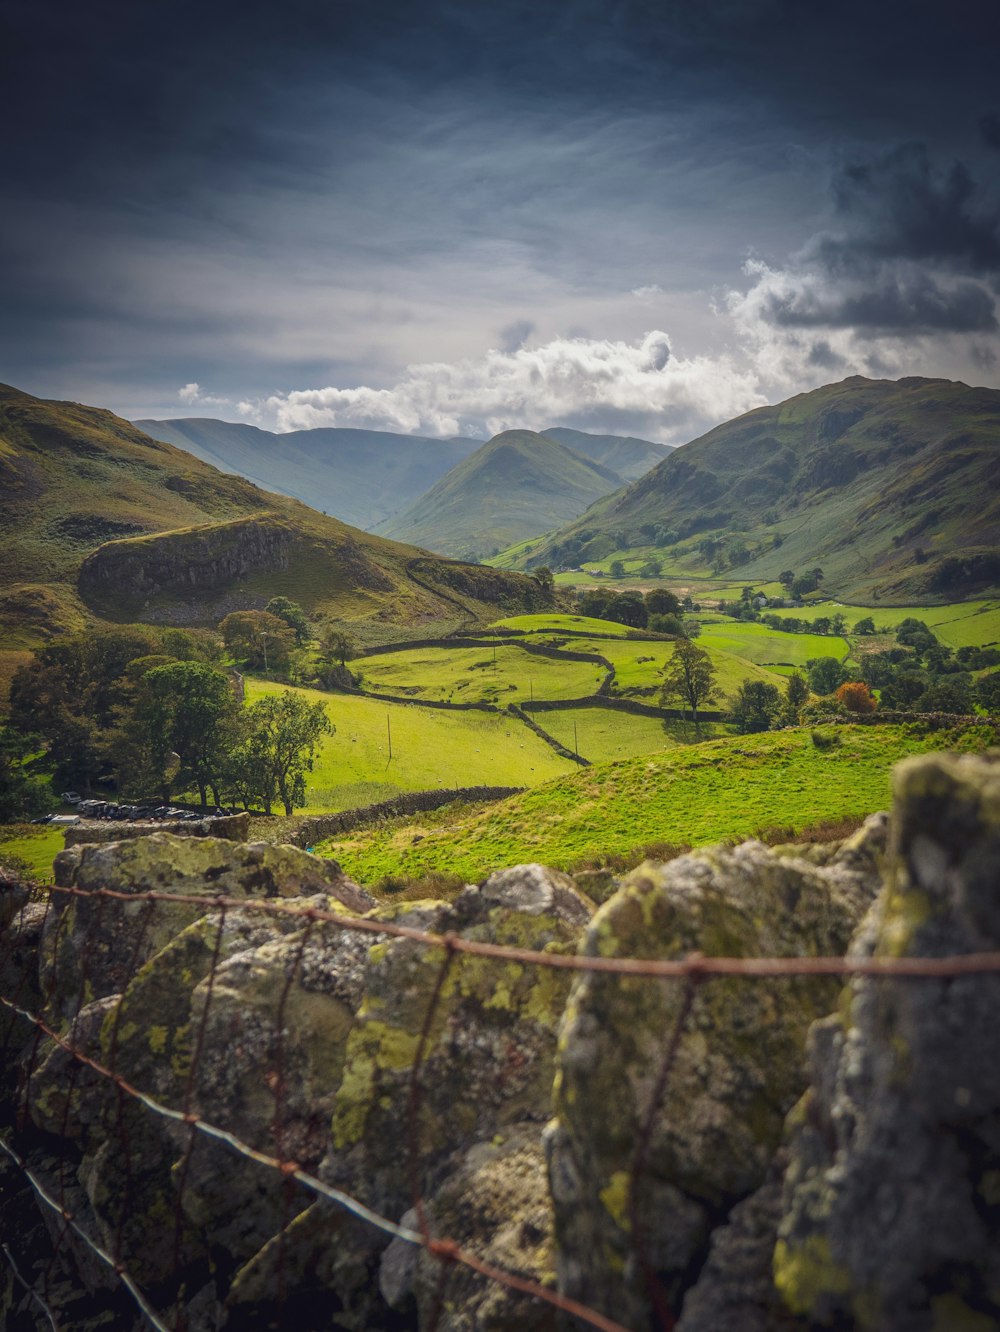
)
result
[(856, 697), (825, 739)]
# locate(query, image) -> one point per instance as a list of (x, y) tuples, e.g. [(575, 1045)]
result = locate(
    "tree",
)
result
[(186, 709), (855, 696), (825, 674), (616, 569), (292, 614), (865, 626), (988, 692), (23, 793), (546, 581), (757, 706), (279, 735), (661, 601), (258, 638), (689, 676), (948, 695), (796, 696)]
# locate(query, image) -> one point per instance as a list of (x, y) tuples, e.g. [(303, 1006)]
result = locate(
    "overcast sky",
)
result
[(642, 216)]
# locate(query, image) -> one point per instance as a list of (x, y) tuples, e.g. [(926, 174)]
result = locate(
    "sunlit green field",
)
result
[(504, 674), (961, 624), (769, 647), (430, 749), (689, 795), (604, 734), (34, 846), (578, 624)]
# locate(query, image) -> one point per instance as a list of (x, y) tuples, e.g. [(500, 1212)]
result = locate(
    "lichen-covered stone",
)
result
[(892, 1203), (496, 1206), (94, 945), (739, 1064), (489, 1057), (19, 944)]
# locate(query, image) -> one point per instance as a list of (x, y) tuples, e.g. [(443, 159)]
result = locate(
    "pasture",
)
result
[(685, 796)]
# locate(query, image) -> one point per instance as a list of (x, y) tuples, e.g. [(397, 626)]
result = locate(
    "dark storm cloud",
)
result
[(989, 127), (259, 196), (915, 251)]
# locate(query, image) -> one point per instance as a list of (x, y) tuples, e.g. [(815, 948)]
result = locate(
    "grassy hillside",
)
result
[(689, 796), (161, 535), (359, 476), (516, 486), (430, 749), (624, 454), (889, 487)]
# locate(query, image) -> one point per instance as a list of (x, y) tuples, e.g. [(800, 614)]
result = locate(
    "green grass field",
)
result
[(604, 734), (769, 647), (506, 674), (724, 789), (33, 845), (960, 624), (577, 624), (430, 749)]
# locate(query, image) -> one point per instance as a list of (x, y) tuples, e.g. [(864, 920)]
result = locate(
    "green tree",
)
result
[(796, 696), (258, 638), (988, 692), (864, 626), (292, 614), (616, 569), (757, 706), (546, 581), (185, 709), (825, 675), (277, 747), (23, 791), (661, 601), (689, 676)]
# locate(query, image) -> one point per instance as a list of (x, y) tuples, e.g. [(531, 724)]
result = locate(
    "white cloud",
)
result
[(191, 395), (647, 293), (638, 386)]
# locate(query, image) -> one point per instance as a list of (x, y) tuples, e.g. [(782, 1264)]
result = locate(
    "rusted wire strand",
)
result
[(959, 964)]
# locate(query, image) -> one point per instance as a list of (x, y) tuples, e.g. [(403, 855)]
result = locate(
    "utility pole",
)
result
[(576, 747), (388, 727)]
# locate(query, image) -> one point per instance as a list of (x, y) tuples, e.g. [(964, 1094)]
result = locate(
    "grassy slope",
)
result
[(34, 846), (693, 795), (74, 479), (854, 477), (769, 647), (360, 476), (517, 485), (430, 749), (470, 675)]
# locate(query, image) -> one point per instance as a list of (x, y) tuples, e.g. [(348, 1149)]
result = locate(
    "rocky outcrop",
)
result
[(131, 572), (793, 1170), (233, 827), (892, 1196)]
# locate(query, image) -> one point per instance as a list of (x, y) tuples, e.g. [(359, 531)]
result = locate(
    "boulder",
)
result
[(739, 1064), (94, 945), (892, 1194)]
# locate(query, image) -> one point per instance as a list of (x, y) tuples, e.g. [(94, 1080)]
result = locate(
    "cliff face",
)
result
[(128, 574), (721, 1148)]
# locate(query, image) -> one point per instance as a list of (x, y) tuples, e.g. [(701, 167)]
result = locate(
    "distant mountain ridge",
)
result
[(624, 454), (517, 485), (364, 477), (359, 476), (892, 488)]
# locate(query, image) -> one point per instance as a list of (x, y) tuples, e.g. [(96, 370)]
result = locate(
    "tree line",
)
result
[(151, 713)]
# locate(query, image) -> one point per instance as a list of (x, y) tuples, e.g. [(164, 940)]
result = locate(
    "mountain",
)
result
[(892, 488), (97, 518), (624, 454), (516, 486), (364, 477), (359, 476)]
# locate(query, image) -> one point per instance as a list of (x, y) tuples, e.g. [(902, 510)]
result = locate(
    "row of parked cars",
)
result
[(111, 809)]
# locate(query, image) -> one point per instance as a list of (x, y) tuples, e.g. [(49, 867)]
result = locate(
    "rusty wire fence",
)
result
[(690, 972)]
